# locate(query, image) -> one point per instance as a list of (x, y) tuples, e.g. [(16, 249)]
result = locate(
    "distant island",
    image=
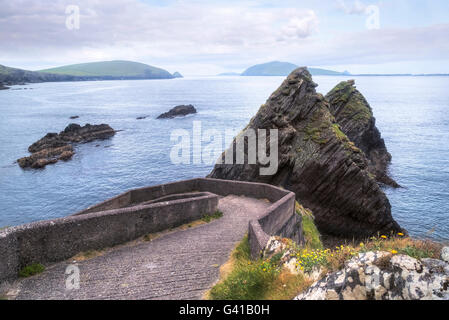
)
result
[(278, 68), (104, 70), (229, 74)]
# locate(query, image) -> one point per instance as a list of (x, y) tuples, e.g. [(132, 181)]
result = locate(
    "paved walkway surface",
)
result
[(179, 265)]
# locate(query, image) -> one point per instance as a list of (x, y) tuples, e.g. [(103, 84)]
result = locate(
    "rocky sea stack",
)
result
[(328, 173), (54, 147), (355, 117), (179, 111)]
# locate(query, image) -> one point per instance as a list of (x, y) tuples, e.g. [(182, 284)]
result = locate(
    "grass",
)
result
[(109, 68), (311, 235), (87, 255), (31, 270), (330, 260), (245, 279), (214, 216)]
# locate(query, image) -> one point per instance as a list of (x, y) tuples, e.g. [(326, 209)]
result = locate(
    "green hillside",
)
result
[(112, 69), (278, 68), (11, 76)]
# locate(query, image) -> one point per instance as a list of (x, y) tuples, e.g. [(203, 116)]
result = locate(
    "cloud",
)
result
[(197, 38), (378, 46), (129, 28), (301, 27), (356, 7)]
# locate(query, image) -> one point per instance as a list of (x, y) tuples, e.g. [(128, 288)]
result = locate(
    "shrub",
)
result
[(209, 217), (31, 270)]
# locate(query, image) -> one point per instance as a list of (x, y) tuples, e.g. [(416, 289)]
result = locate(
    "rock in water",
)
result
[(179, 111), (54, 147), (355, 117), (381, 276), (327, 172)]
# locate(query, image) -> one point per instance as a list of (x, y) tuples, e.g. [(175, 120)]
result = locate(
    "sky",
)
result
[(210, 37)]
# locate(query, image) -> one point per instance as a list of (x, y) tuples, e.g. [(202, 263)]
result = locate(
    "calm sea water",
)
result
[(412, 114)]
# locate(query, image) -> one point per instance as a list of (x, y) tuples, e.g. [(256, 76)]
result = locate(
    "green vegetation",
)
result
[(31, 270), (355, 106), (311, 234), (245, 279), (318, 129), (278, 68), (114, 69), (209, 217)]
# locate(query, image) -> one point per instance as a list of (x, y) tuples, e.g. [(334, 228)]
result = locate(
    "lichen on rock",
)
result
[(355, 119)]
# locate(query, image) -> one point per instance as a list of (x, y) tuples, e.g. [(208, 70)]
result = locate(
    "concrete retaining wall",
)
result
[(60, 239), (117, 220)]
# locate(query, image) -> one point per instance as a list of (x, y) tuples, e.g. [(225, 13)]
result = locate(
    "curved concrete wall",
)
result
[(119, 220), (60, 239)]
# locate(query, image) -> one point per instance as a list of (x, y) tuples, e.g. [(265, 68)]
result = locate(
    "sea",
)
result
[(412, 114)]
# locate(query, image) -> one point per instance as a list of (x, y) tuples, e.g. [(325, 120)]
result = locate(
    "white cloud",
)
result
[(129, 28), (301, 27), (355, 7), (203, 38)]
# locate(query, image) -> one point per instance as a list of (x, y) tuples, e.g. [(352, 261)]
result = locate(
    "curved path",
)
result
[(179, 265)]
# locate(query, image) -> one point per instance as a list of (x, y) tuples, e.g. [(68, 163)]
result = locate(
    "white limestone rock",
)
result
[(382, 276)]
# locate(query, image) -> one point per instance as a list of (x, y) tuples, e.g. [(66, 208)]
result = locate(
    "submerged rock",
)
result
[(179, 111), (318, 162), (54, 147), (383, 276), (355, 117), (74, 117)]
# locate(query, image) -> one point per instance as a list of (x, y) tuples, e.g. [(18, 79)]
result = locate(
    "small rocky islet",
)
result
[(54, 147), (178, 111)]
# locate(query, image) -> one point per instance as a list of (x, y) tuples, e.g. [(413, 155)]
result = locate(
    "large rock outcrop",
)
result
[(54, 147), (317, 161), (381, 276), (355, 117)]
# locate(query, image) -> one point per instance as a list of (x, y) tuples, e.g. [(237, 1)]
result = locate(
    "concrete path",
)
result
[(178, 265)]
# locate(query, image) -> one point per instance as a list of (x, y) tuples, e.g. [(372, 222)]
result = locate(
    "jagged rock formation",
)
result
[(381, 276), (54, 147), (179, 111), (327, 172), (355, 117)]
